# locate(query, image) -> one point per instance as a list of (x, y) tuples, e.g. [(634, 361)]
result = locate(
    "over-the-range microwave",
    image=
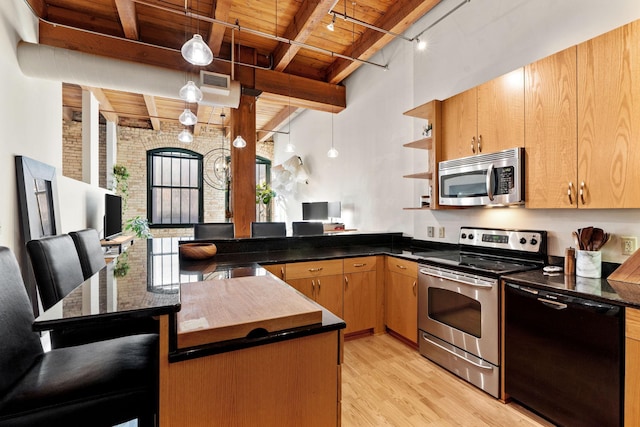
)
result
[(492, 179)]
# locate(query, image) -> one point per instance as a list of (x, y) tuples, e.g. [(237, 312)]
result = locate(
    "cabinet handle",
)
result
[(314, 270), (479, 143), (318, 285), (282, 273), (473, 144), (346, 282), (570, 192), (359, 264), (582, 186), (415, 282), (313, 287), (401, 267)]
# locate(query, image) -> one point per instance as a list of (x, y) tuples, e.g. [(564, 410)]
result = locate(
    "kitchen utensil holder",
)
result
[(589, 264)]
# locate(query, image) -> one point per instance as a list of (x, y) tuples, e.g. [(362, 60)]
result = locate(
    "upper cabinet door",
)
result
[(551, 131), (501, 113), (609, 119), (460, 125)]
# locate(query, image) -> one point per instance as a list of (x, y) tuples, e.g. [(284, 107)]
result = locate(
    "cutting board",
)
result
[(628, 271), (220, 310)]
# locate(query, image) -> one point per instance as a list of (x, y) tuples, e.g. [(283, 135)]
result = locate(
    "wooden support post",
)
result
[(243, 166)]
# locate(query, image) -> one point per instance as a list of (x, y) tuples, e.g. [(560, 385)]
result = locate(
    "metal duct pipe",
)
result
[(63, 65)]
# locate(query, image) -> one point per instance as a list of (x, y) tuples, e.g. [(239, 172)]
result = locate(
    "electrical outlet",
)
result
[(629, 244), (441, 232), (429, 231)]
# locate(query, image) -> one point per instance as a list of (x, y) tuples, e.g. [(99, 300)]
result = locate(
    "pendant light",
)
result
[(196, 51), (185, 136), (332, 153), (190, 92), (239, 142), (187, 118), (289, 148)]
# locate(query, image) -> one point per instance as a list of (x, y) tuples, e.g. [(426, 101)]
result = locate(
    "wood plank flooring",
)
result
[(387, 383)]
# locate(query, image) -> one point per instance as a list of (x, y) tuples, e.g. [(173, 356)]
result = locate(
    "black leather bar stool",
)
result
[(89, 250), (268, 229), (303, 228), (99, 384), (213, 230)]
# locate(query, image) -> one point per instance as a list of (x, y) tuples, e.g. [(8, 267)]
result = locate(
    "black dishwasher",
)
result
[(564, 356)]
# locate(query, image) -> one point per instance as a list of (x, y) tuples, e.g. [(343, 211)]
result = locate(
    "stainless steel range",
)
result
[(459, 300)]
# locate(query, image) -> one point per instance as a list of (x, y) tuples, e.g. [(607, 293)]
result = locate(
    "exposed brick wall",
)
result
[(133, 144)]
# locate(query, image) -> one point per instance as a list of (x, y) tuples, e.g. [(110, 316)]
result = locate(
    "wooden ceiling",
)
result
[(293, 60)]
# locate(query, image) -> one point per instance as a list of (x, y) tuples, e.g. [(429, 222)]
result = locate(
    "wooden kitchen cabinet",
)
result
[(320, 281), (431, 112), (401, 298), (551, 131), (275, 269), (632, 368), (484, 119), (581, 103), (608, 110), (360, 290)]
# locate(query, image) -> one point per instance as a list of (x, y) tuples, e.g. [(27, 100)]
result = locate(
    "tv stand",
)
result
[(117, 242)]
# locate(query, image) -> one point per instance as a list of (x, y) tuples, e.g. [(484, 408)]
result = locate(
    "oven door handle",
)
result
[(454, 277), (490, 183), (477, 365)]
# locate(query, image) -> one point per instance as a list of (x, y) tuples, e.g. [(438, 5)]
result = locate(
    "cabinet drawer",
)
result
[(355, 265), (402, 266), (632, 323), (300, 270)]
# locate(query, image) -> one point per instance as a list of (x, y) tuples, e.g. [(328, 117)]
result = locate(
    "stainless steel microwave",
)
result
[(492, 179)]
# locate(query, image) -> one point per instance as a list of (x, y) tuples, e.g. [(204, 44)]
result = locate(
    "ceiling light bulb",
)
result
[(332, 153), (185, 136), (290, 148), (239, 142), (187, 118), (422, 45), (190, 92), (196, 51)]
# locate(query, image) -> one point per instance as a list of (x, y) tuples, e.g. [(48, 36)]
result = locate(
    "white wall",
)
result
[(480, 41), (31, 125)]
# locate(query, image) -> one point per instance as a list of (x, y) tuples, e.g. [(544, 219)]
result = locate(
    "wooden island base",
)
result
[(289, 383)]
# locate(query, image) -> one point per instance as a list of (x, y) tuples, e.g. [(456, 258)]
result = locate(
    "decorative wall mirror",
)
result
[(39, 213)]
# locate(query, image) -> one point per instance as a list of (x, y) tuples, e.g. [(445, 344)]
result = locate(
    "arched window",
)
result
[(174, 195)]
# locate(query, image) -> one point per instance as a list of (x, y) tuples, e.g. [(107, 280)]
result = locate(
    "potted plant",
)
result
[(139, 226), (264, 195), (121, 183)]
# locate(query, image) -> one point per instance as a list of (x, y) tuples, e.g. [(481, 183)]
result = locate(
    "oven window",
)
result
[(456, 310)]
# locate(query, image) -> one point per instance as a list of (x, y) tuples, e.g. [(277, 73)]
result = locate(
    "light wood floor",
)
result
[(387, 383)]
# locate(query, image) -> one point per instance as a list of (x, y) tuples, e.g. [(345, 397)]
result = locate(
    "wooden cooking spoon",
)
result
[(585, 237), (596, 239)]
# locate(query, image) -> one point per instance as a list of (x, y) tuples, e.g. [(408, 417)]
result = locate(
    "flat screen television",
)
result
[(315, 210), (112, 216)]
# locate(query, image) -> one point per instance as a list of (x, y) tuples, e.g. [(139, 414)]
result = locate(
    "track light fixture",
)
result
[(331, 25)]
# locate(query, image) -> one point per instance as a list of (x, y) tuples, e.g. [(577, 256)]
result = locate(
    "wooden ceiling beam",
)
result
[(400, 16), (216, 35), (302, 25), (276, 123), (152, 109), (39, 7), (106, 109), (300, 91), (128, 18)]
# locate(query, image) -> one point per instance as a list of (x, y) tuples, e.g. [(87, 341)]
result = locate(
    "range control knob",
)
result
[(463, 236), (533, 241), (470, 236), (523, 240)]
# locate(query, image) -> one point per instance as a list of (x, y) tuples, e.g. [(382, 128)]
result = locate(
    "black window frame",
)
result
[(169, 152)]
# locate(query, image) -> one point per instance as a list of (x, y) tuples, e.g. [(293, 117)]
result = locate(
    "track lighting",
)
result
[(421, 44), (331, 26)]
